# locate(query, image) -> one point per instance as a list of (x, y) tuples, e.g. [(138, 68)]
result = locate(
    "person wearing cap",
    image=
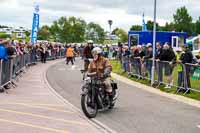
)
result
[(187, 57), (169, 58), (179, 52), (3, 50), (148, 58)]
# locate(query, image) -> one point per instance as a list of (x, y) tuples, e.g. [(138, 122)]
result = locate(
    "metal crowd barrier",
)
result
[(163, 69), (13, 67), (5, 72)]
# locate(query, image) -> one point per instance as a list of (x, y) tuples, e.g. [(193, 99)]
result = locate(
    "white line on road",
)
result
[(198, 126)]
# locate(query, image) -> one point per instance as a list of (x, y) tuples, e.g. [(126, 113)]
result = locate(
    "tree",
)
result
[(4, 35), (168, 27), (68, 30), (122, 34), (182, 20), (27, 33), (44, 33), (150, 25), (3, 26), (95, 32), (114, 31), (197, 26), (136, 28)]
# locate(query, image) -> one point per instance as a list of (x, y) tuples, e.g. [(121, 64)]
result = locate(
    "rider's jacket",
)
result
[(99, 66)]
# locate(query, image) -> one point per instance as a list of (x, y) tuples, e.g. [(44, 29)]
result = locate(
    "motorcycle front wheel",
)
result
[(89, 109)]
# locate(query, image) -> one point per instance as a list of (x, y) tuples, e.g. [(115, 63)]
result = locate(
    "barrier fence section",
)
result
[(181, 76), (14, 66)]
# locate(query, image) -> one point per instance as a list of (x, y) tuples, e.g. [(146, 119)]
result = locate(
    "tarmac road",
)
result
[(136, 111)]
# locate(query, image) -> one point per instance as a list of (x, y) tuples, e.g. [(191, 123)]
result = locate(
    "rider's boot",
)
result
[(111, 100)]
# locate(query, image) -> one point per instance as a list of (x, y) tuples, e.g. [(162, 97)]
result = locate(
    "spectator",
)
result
[(125, 59), (134, 60), (42, 50), (111, 50), (179, 67), (11, 51), (3, 50), (142, 53), (105, 51), (148, 58), (168, 56), (187, 57), (198, 57), (81, 48), (120, 50), (159, 66)]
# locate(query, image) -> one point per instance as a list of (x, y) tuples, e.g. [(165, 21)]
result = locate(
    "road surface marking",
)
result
[(198, 126), (61, 69), (34, 126), (35, 106), (45, 117)]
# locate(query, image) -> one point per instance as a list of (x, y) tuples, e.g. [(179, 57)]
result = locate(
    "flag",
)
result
[(35, 25), (144, 26)]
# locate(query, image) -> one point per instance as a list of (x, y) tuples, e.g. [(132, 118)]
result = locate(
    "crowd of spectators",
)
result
[(11, 48), (139, 59)]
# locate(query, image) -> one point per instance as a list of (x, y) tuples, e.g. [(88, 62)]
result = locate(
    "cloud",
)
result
[(124, 13)]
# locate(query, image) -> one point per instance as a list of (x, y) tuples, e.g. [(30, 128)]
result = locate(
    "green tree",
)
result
[(68, 30), (95, 32), (197, 26), (27, 33), (122, 34), (3, 26), (136, 28), (150, 25), (114, 31), (183, 21), (44, 33), (4, 35), (168, 27)]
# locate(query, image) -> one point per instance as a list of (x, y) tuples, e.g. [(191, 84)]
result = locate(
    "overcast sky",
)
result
[(124, 13)]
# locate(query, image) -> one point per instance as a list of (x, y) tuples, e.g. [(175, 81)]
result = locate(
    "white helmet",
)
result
[(97, 50), (90, 41)]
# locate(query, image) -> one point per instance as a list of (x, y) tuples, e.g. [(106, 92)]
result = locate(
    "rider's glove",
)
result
[(107, 72)]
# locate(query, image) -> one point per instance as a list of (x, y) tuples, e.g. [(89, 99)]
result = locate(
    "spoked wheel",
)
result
[(89, 109)]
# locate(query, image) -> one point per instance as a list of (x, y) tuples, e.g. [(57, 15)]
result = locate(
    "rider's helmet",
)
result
[(96, 52), (90, 42)]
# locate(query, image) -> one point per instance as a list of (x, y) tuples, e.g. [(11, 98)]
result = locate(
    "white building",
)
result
[(20, 32)]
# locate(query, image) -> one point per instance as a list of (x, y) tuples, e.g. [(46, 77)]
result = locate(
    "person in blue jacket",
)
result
[(3, 50)]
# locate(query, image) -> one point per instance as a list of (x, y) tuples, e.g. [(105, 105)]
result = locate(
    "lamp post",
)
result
[(154, 44), (110, 22)]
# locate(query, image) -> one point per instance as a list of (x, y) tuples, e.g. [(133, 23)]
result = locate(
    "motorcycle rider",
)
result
[(103, 68)]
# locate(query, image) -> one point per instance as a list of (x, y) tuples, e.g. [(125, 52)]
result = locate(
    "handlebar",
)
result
[(92, 74)]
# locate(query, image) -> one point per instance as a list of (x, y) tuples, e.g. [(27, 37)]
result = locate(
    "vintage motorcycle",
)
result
[(94, 96)]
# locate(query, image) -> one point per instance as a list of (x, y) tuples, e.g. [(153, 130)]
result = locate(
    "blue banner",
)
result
[(144, 26), (35, 25)]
